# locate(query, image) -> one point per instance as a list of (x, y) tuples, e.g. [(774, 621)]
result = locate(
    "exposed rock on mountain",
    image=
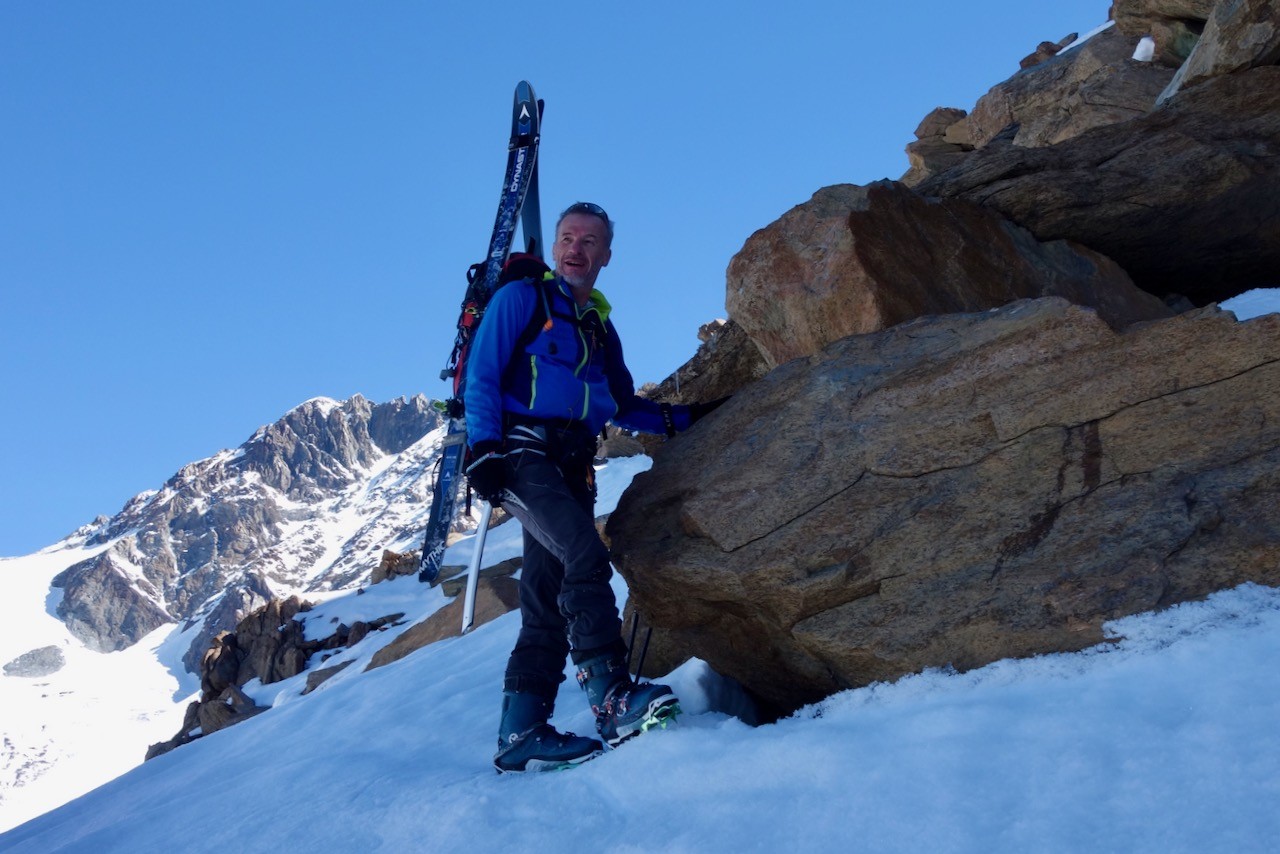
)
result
[(109, 602), (269, 645), (37, 663), (1093, 85), (957, 490), (859, 259), (942, 141), (1186, 198), (1239, 35), (495, 596), (226, 534), (1174, 25), (726, 361)]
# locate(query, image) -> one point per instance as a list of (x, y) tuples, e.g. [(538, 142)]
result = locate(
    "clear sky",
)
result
[(210, 213)]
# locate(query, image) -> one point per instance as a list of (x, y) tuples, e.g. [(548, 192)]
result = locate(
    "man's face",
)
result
[(581, 249)]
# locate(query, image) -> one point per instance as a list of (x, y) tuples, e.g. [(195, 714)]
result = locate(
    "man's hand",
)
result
[(488, 474)]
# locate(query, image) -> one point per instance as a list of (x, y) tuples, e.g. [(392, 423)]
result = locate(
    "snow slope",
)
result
[(1164, 742)]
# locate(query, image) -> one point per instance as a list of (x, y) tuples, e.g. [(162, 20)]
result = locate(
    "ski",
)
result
[(517, 205)]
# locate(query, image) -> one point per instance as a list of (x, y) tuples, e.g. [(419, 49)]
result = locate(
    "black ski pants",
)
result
[(565, 598)]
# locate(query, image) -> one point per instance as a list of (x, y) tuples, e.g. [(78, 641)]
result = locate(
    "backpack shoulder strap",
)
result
[(540, 320)]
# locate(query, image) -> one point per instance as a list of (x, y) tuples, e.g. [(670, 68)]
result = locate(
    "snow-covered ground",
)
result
[(1164, 741)]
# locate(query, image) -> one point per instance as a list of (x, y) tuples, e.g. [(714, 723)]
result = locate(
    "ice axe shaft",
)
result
[(473, 571)]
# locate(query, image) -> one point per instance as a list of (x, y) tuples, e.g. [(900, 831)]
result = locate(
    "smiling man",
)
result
[(535, 404)]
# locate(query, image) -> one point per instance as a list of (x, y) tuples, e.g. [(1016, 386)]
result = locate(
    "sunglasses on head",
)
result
[(585, 208)]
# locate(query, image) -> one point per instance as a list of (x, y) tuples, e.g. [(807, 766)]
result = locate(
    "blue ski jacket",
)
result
[(573, 371)]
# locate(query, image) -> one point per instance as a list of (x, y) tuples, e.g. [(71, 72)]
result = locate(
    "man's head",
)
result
[(581, 248)]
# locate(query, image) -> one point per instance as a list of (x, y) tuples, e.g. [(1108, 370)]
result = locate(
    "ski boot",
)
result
[(526, 742), (624, 708)]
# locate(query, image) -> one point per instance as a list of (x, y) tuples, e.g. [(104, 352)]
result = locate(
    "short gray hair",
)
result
[(591, 209)]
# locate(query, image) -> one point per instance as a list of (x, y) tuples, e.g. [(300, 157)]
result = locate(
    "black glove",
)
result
[(698, 411), (487, 474)]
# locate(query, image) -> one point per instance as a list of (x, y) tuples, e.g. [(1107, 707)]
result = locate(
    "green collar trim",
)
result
[(596, 300)]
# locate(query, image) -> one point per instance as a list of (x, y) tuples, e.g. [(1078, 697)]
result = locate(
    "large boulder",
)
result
[(958, 490), (859, 259), (1240, 34), (1186, 198)]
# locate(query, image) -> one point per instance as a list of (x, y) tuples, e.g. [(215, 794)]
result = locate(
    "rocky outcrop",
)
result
[(941, 142), (396, 564), (1239, 35), (960, 489), (37, 663), (1186, 198), (1090, 86), (725, 361), (269, 645), (854, 260), (108, 602), (1174, 25), (494, 597)]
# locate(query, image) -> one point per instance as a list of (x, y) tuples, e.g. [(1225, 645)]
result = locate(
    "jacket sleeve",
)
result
[(503, 321), (635, 412)]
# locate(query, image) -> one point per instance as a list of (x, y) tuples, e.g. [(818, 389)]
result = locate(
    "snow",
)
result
[(1164, 740), (1084, 38), (1146, 49)]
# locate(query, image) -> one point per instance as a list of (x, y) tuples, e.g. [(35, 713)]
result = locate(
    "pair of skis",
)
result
[(518, 205)]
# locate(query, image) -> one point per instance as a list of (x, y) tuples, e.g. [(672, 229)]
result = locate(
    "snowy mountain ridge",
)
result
[(306, 504)]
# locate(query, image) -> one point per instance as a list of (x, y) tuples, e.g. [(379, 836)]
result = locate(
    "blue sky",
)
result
[(210, 213)]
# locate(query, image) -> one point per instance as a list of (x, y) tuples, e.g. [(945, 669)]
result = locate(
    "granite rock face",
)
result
[(957, 490), (855, 259), (1185, 198)]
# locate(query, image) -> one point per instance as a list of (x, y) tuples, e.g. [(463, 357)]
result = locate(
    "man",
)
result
[(533, 413)]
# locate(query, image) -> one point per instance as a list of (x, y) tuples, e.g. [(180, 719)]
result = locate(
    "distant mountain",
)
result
[(306, 504)]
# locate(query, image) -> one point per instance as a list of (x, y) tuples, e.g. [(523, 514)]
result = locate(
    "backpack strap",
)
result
[(539, 321)]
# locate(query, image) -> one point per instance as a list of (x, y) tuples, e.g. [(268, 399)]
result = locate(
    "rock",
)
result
[(1174, 25), (316, 678), (455, 585), (1186, 198), (960, 489), (199, 548), (37, 663), (494, 597), (106, 603), (188, 733), (273, 643), (854, 260), (1240, 34), (232, 706), (220, 667), (619, 444), (396, 564), (1093, 85), (725, 362), (1043, 51), (237, 602), (931, 156), (932, 151), (711, 329)]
